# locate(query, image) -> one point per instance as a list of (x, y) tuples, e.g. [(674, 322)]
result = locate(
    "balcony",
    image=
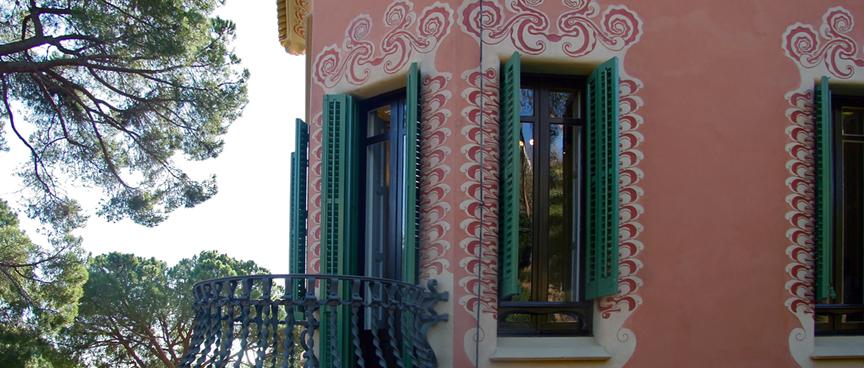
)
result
[(312, 321)]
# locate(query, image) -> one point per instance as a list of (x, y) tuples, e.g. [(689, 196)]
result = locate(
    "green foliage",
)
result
[(111, 92), (39, 292), (138, 312), (27, 350)]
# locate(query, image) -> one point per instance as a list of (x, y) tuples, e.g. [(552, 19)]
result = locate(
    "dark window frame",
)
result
[(392, 265), (829, 316), (538, 311)]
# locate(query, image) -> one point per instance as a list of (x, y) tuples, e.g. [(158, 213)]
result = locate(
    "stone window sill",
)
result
[(548, 349), (838, 347)]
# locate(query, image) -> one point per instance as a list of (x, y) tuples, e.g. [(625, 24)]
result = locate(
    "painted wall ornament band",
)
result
[(357, 58), (838, 52), (529, 29), (629, 211), (830, 52), (480, 192), (434, 207), (314, 222)]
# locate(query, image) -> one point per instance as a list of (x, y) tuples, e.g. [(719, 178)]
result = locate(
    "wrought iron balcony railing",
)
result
[(312, 321)]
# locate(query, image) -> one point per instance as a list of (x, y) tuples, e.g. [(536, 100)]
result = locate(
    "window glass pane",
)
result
[(526, 102), (564, 104), (404, 198), (517, 318), (378, 121), (377, 209), (853, 223), (561, 318), (563, 180), (526, 208), (853, 120), (401, 121)]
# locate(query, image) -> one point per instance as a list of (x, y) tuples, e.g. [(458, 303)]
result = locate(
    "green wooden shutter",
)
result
[(510, 168), (602, 187), (339, 235), (339, 186), (412, 177), (299, 214), (824, 184)]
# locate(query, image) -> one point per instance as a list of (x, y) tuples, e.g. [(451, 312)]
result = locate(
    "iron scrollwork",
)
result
[(259, 321)]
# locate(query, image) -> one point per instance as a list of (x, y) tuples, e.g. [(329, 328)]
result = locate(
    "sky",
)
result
[(248, 219)]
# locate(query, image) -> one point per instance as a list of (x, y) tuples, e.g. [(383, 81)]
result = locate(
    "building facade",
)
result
[(610, 183)]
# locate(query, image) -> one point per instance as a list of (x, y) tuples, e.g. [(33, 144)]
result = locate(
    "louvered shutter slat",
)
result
[(824, 184), (412, 177), (510, 174), (299, 214), (339, 237), (602, 171)]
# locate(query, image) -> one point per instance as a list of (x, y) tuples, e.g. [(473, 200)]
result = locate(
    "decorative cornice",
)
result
[(292, 25)]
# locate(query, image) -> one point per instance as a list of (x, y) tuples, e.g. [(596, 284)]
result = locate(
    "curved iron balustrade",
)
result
[(272, 320)]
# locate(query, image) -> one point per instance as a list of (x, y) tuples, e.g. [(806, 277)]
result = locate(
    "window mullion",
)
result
[(395, 200), (542, 189)]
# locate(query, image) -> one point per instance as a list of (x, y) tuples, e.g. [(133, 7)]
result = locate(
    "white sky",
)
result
[(248, 219)]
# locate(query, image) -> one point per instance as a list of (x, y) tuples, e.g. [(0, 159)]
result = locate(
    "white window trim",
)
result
[(838, 347), (523, 349)]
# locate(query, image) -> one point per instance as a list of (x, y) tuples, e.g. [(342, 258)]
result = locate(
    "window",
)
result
[(840, 213), (369, 202), (369, 187), (559, 201), (383, 162)]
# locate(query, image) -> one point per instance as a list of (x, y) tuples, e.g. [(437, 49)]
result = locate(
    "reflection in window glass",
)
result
[(563, 179), (561, 318), (853, 120), (526, 207), (853, 218), (526, 102), (377, 209), (518, 317), (379, 121), (404, 203), (548, 261), (563, 104)]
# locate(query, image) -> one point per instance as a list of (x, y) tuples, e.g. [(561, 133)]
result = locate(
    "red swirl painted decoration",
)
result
[(313, 254), (802, 185), (628, 229), (355, 60), (301, 8), (834, 49), (838, 51), (480, 186), (433, 191), (530, 30)]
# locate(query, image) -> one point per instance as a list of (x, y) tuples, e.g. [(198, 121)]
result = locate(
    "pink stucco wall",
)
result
[(709, 281)]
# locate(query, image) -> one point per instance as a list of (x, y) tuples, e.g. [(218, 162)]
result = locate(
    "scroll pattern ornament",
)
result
[(433, 205), (482, 155), (313, 255), (832, 52), (801, 217), (838, 51), (357, 59), (629, 193), (298, 22), (530, 29)]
